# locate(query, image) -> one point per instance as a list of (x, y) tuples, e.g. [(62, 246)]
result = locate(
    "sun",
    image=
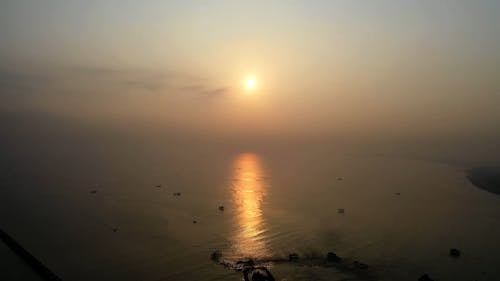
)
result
[(250, 84)]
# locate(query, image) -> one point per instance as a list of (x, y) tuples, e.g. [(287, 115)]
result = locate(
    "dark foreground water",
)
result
[(401, 216)]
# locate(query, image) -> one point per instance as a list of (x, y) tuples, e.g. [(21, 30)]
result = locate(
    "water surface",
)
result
[(401, 216)]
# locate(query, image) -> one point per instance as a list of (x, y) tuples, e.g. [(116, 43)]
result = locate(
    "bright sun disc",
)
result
[(250, 84)]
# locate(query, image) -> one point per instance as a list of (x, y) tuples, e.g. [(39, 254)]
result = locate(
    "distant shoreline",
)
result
[(487, 178)]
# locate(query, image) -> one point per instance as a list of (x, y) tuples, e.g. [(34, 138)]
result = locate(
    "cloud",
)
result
[(217, 92), (39, 80), (193, 88), (127, 78), (151, 85), (206, 91)]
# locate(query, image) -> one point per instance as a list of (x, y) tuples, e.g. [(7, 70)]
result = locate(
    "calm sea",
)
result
[(116, 217)]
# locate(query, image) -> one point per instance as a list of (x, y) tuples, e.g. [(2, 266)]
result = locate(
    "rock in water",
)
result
[(259, 274), (332, 257), (360, 265), (454, 253), (216, 255), (425, 277)]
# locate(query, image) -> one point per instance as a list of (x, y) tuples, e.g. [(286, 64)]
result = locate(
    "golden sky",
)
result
[(321, 69)]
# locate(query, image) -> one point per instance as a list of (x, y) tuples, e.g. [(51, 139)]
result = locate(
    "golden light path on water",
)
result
[(249, 188)]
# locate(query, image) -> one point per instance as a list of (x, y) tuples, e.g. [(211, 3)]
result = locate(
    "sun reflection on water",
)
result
[(249, 188)]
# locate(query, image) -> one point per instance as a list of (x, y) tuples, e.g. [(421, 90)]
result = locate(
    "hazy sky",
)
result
[(324, 69)]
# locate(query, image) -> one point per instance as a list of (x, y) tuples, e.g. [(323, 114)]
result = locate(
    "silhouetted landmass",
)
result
[(487, 178), (36, 265)]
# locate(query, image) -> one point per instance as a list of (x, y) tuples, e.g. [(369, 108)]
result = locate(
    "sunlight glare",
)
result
[(250, 84)]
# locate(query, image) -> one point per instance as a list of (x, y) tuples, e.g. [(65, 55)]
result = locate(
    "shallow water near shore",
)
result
[(401, 217)]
